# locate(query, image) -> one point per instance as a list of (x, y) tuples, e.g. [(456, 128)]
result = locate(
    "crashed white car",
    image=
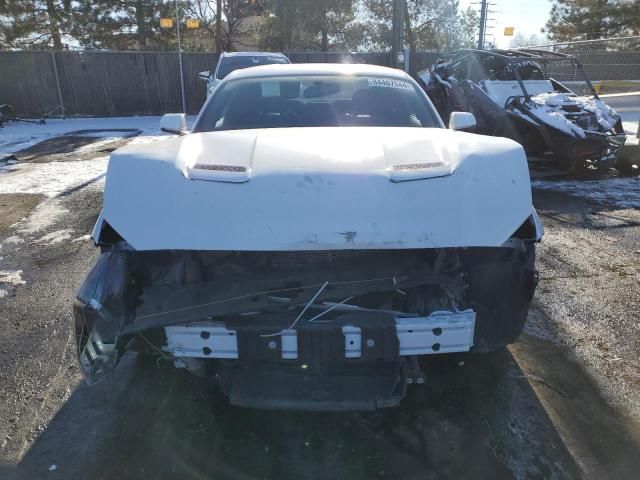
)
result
[(311, 242)]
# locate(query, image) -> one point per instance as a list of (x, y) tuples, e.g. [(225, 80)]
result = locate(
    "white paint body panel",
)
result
[(317, 189)]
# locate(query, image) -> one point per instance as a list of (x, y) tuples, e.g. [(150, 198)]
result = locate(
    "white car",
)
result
[(312, 241), (230, 61)]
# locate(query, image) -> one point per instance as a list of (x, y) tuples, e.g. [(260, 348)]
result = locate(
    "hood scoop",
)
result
[(402, 164), (218, 173), (418, 171), (226, 157)]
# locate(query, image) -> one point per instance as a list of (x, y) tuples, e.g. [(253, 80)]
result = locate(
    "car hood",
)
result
[(395, 153), (318, 188)]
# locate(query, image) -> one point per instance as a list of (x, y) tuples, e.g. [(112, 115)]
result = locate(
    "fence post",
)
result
[(184, 100), (407, 60), (55, 73)]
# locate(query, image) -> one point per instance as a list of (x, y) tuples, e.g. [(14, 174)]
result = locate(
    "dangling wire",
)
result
[(334, 306), (306, 307)]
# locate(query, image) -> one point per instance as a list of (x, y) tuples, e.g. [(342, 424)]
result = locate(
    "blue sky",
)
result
[(526, 16)]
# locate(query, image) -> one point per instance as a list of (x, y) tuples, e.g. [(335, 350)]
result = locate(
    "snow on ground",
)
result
[(630, 117), (630, 127), (44, 215), (50, 179), (83, 238), (15, 136), (623, 192), (11, 277), (13, 239), (55, 237)]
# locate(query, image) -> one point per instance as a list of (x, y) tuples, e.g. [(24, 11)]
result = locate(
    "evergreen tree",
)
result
[(429, 25), (593, 19), (36, 24), (307, 24), (236, 13), (124, 24)]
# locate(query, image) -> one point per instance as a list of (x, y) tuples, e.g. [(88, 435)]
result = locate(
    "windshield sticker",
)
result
[(270, 88), (389, 83)]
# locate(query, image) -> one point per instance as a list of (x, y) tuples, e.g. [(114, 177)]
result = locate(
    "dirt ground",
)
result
[(561, 402), (16, 206)]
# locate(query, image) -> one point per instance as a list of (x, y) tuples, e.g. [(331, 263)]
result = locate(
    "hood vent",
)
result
[(218, 173), (419, 171), (219, 168)]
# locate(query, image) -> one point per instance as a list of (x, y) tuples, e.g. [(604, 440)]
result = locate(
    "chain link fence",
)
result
[(612, 65)]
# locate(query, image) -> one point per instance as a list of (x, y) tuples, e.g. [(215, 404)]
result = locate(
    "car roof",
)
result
[(318, 69), (252, 54)]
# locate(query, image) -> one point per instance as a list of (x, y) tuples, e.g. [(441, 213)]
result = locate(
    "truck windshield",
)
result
[(316, 101)]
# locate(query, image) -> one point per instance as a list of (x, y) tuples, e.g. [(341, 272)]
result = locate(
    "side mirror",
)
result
[(174, 123), (204, 75), (461, 121)]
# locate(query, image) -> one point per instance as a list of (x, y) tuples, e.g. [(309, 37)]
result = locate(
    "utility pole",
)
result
[(184, 100), (483, 24), (397, 45), (219, 26)]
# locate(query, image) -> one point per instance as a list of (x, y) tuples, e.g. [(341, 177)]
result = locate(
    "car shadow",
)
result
[(526, 412)]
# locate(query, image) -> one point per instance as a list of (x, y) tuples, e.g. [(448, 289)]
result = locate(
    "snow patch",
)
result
[(17, 135), (55, 237), (83, 238), (142, 140), (3, 293), (549, 109), (12, 277), (631, 128), (45, 215), (53, 178), (96, 146), (621, 192), (606, 116), (13, 239)]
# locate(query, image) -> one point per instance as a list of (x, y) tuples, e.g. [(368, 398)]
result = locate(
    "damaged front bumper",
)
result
[(312, 330)]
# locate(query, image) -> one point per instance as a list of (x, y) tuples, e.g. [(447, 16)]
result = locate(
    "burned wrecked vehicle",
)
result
[(315, 237), (513, 94)]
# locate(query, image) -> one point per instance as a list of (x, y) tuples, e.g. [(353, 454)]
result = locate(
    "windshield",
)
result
[(229, 64), (316, 101)]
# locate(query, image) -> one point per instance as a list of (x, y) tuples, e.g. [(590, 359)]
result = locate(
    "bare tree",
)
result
[(522, 40)]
